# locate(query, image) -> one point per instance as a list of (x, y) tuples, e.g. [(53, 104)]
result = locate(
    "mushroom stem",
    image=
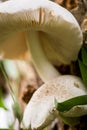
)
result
[(44, 68)]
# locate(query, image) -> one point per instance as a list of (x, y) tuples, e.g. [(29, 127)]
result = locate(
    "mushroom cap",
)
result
[(59, 32), (40, 111)]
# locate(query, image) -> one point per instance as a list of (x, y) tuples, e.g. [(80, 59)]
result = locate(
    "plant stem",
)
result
[(44, 68), (9, 85)]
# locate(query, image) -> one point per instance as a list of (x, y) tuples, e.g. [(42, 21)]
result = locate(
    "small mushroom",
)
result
[(51, 33), (41, 110)]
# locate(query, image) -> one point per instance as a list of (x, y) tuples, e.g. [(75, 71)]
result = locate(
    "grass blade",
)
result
[(83, 70), (68, 104)]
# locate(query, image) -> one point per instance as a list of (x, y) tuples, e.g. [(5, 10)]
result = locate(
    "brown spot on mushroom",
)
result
[(76, 85), (47, 91), (78, 107), (40, 15), (64, 92), (53, 110)]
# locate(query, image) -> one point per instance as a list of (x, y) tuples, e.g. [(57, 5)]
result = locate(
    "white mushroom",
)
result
[(40, 111), (51, 32), (53, 37)]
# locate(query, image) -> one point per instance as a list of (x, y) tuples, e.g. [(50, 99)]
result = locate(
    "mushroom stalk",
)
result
[(45, 69)]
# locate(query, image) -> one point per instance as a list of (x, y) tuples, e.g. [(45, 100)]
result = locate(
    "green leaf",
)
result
[(2, 105), (68, 104), (84, 55), (83, 70), (7, 80), (11, 127), (17, 111)]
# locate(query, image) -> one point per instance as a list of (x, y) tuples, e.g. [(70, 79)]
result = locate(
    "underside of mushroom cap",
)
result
[(40, 111), (59, 32), (14, 47)]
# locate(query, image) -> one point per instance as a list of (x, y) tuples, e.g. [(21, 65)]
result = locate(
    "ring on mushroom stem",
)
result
[(53, 27)]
